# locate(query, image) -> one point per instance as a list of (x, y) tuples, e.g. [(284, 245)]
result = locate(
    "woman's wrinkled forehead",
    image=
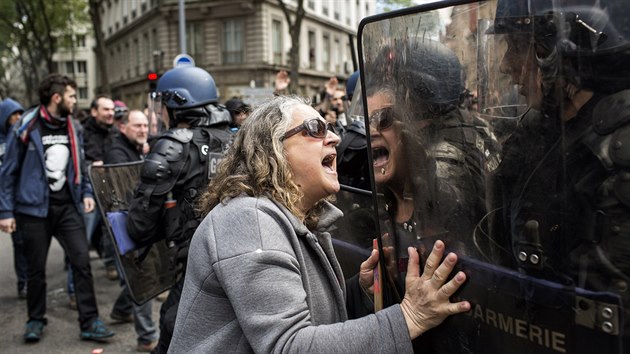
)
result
[(300, 112)]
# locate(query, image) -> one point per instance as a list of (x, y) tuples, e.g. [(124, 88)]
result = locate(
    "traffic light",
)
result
[(152, 76)]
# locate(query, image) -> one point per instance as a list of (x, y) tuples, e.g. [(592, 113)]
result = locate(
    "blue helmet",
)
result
[(190, 95), (187, 87)]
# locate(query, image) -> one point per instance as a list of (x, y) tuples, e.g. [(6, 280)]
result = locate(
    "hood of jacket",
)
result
[(7, 108)]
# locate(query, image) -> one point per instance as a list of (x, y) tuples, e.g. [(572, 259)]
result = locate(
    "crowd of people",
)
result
[(46, 192), (239, 201)]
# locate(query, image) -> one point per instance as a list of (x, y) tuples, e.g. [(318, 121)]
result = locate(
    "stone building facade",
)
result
[(242, 43)]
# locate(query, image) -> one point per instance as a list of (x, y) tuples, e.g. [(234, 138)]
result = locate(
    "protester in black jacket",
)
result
[(128, 146), (97, 130)]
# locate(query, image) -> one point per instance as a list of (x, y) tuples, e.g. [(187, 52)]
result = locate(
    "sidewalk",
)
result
[(62, 333)]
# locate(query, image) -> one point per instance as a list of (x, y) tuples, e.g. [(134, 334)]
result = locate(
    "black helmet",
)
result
[(235, 106), (587, 27), (190, 95), (427, 71), (593, 35)]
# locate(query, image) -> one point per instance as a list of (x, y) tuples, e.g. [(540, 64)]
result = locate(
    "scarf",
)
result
[(28, 123)]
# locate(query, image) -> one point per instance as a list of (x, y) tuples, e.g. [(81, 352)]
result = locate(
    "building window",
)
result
[(338, 58), (276, 41), (146, 45), (156, 52), (137, 56), (233, 41), (194, 40), (311, 50), (55, 67), (82, 66), (83, 93), (311, 4), (325, 10), (81, 41), (127, 63), (349, 68), (337, 10), (69, 67), (326, 52)]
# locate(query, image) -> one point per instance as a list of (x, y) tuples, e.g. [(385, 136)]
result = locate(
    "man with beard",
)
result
[(43, 198), (128, 146), (97, 129)]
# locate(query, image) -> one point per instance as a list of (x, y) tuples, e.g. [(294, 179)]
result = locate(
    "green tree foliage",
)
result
[(31, 31)]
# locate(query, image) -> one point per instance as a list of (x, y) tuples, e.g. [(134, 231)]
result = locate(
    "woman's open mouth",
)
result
[(329, 162), (380, 156)]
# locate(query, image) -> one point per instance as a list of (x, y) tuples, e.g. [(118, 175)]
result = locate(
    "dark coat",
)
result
[(122, 150), (96, 141)]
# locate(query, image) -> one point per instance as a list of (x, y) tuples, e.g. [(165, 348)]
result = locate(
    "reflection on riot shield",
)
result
[(147, 271), (356, 231), (527, 185), (353, 166), (158, 118)]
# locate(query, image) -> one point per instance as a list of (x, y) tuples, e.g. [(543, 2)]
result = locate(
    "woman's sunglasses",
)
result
[(382, 119), (315, 127)]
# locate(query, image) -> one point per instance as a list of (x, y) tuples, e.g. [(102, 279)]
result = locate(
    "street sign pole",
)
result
[(182, 26)]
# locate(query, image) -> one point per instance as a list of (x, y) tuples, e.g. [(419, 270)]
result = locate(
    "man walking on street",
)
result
[(41, 192)]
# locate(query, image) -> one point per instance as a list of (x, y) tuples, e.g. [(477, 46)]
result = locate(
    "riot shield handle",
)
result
[(529, 251)]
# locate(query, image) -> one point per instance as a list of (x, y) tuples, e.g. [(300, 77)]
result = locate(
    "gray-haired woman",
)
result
[(262, 275)]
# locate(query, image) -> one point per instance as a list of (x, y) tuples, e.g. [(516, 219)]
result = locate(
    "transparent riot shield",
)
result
[(356, 231), (158, 117), (526, 182), (147, 271)]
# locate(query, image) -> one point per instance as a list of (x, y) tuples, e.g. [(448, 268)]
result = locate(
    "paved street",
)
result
[(62, 333)]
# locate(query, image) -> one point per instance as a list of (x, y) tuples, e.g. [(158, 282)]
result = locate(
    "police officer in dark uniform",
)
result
[(430, 158), (176, 172), (432, 170), (567, 201)]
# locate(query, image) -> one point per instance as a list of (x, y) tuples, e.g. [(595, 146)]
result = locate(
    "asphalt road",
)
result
[(62, 333)]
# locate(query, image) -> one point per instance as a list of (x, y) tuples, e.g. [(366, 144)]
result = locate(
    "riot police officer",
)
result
[(177, 171), (430, 158), (569, 224)]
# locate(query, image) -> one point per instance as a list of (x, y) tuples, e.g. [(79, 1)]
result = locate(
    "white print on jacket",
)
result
[(56, 162)]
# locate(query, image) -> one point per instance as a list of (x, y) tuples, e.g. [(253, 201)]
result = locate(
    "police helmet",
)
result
[(190, 95), (593, 35), (187, 87), (427, 72), (586, 27)]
